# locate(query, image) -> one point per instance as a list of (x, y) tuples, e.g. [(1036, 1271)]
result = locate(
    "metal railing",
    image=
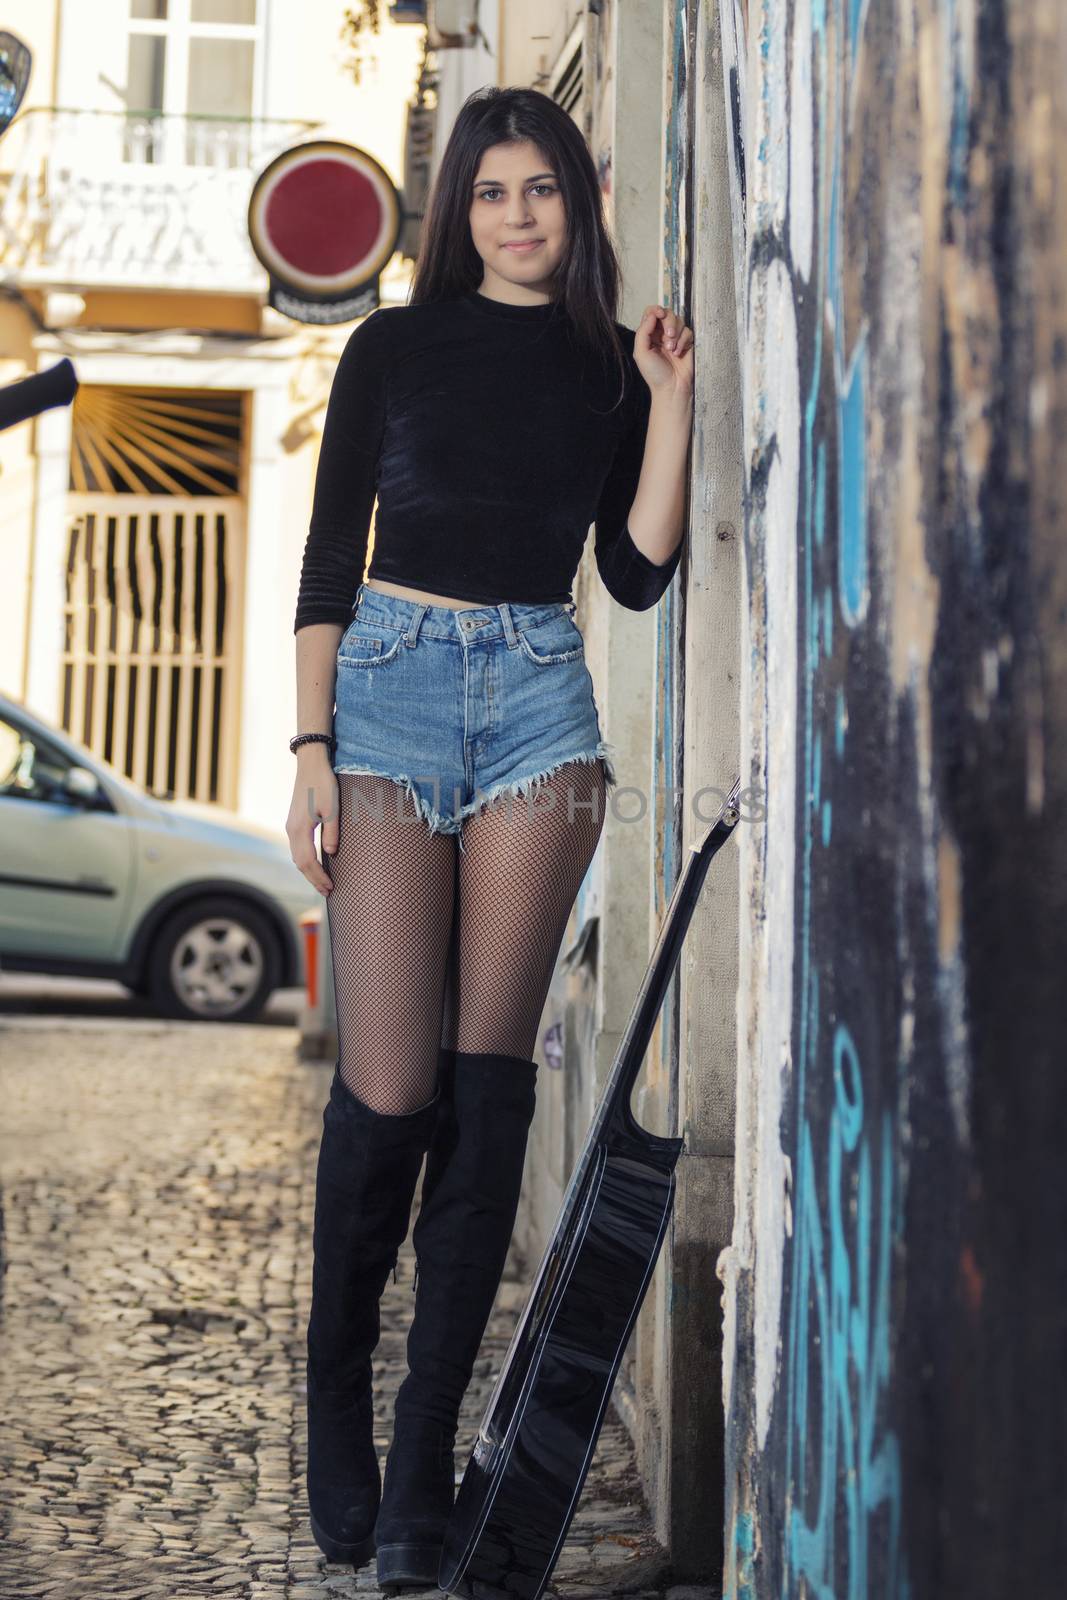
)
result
[(145, 199)]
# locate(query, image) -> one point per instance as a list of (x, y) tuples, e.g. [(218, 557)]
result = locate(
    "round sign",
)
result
[(324, 218)]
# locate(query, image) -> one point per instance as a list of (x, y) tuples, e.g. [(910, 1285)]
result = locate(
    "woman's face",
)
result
[(516, 200)]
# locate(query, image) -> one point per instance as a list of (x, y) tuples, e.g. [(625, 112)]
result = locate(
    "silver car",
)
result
[(182, 902)]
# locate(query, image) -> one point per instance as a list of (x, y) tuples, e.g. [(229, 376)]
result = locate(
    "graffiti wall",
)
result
[(896, 1288)]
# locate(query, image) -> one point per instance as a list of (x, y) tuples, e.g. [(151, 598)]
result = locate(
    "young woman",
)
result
[(452, 754)]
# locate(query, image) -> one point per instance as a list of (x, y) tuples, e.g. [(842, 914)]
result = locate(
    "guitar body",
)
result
[(536, 1440), (518, 1496)]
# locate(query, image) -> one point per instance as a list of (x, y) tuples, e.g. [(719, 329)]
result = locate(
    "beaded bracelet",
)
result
[(309, 738)]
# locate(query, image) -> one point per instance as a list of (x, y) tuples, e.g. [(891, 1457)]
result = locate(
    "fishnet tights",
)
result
[(436, 946)]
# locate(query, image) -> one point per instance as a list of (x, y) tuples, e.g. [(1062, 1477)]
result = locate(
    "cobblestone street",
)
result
[(157, 1195)]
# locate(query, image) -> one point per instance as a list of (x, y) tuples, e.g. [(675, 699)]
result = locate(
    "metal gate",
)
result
[(151, 635)]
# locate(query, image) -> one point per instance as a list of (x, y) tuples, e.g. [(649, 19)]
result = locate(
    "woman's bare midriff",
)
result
[(403, 593)]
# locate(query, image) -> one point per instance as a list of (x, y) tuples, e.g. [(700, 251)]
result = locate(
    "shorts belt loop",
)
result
[(509, 626), (411, 637)]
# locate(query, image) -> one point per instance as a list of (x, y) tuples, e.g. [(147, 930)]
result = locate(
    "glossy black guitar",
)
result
[(537, 1436)]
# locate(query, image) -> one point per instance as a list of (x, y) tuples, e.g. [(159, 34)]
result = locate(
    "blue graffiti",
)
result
[(843, 1469), (850, 375), (959, 133), (841, 1332), (857, 17), (744, 1584)]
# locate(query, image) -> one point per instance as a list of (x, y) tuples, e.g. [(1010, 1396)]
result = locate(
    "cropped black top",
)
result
[(492, 441)]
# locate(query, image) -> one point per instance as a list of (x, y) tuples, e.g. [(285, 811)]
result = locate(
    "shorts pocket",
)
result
[(557, 639), (364, 646)]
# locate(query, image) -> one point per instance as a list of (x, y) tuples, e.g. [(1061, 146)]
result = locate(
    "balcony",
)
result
[(121, 200)]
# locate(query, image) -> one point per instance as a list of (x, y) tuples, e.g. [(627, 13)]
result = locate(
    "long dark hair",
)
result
[(588, 278)]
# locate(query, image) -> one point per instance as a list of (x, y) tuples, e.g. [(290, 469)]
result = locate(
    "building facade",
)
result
[(154, 529)]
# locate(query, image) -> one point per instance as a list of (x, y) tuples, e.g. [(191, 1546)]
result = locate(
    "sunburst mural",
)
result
[(132, 440)]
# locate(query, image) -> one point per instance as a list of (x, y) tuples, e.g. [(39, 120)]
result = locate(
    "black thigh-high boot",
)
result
[(469, 1200), (368, 1167)]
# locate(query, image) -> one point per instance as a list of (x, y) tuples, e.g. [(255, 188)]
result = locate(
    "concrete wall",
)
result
[(896, 1315), (709, 653), (688, 1081)]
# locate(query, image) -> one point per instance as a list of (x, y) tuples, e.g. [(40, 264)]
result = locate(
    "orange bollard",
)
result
[(310, 923)]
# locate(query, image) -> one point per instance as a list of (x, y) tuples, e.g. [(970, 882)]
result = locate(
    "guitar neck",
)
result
[(613, 1109)]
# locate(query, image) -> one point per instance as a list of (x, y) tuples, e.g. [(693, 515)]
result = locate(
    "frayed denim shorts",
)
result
[(461, 706)]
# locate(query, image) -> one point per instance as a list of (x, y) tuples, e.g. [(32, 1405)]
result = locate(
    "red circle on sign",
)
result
[(323, 216)]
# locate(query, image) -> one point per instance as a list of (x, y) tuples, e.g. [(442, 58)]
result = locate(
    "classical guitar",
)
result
[(536, 1439)]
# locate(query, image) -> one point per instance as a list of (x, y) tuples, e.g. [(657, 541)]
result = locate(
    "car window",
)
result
[(29, 770)]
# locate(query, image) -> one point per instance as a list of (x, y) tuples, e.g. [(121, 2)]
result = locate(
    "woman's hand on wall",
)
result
[(663, 351)]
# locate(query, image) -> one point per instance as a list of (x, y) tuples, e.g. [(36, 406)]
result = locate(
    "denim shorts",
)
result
[(462, 705)]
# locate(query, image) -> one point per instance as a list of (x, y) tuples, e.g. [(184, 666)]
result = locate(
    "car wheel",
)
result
[(213, 961)]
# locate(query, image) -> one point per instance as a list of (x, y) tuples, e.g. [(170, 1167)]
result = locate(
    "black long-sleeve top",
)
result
[(492, 442)]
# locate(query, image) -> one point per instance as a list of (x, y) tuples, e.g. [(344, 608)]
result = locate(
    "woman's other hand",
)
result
[(315, 800)]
